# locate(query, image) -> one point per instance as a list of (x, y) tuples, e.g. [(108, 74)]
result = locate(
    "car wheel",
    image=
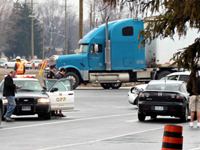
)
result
[(74, 77), (47, 116), (141, 117), (153, 116), (184, 117), (6, 66), (105, 85), (40, 115), (116, 85)]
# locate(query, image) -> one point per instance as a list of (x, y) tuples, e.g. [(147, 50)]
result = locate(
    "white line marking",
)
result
[(131, 120), (35, 125), (99, 140)]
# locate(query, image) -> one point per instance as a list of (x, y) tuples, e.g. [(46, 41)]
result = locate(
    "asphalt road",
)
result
[(102, 120)]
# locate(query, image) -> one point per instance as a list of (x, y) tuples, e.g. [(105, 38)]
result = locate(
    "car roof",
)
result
[(166, 82), (181, 73)]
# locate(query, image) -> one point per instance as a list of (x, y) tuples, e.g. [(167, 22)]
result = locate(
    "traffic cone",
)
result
[(172, 138)]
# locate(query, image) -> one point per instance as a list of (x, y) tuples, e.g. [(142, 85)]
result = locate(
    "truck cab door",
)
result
[(96, 59), (60, 93)]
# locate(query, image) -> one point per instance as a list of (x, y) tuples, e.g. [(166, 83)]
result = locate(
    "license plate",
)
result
[(26, 108), (159, 108)]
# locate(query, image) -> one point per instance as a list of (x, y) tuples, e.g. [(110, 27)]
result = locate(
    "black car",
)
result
[(30, 99), (165, 98)]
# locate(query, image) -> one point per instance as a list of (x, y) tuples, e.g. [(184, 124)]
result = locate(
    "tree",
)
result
[(19, 40), (172, 16)]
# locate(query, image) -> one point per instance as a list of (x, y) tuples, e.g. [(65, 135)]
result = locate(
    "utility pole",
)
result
[(80, 19), (65, 27), (43, 42), (90, 16), (94, 15), (32, 31)]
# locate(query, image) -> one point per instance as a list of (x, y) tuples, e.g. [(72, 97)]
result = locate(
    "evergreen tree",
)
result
[(20, 33), (176, 16)]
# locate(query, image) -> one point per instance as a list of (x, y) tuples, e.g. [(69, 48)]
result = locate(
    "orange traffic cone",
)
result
[(172, 138)]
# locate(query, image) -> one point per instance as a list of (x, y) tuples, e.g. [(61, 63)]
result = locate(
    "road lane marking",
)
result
[(50, 123), (99, 140)]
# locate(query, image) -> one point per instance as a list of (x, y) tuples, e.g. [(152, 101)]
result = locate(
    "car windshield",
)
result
[(3, 60), (84, 48), (29, 85), (164, 86)]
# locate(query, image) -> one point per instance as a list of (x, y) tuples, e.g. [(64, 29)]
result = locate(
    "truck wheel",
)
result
[(106, 85), (47, 116), (141, 117), (116, 85), (163, 74), (74, 77)]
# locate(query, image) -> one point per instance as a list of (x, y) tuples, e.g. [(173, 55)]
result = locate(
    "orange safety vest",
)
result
[(20, 67)]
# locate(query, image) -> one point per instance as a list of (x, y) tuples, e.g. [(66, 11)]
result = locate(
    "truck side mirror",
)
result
[(95, 49)]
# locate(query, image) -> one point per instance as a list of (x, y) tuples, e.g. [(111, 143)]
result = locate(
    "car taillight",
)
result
[(179, 96)]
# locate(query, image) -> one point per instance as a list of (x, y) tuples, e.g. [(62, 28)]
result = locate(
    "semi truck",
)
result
[(109, 55)]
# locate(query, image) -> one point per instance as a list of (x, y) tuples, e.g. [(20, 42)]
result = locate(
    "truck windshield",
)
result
[(84, 48)]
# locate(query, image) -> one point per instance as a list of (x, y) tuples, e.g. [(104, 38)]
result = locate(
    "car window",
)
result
[(163, 87), (29, 85), (63, 85), (174, 77), (184, 78), (49, 83), (13, 60)]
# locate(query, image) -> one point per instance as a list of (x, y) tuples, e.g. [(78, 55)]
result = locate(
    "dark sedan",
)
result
[(165, 98)]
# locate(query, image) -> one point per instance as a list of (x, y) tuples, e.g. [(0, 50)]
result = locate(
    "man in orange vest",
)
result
[(19, 66)]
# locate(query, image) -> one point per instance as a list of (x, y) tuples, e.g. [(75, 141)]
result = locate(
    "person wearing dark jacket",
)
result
[(194, 101), (51, 74), (9, 93), (60, 75)]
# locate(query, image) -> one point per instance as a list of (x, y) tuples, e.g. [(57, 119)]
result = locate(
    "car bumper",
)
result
[(172, 109), (35, 109)]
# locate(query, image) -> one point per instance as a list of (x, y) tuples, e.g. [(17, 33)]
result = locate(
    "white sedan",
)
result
[(11, 64), (134, 92), (33, 62)]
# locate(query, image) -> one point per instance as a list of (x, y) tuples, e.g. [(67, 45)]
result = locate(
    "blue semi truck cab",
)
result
[(109, 55)]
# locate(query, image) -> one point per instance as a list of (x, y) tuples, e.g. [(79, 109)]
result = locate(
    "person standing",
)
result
[(51, 74), (60, 75), (194, 101), (19, 66), (9, 93)]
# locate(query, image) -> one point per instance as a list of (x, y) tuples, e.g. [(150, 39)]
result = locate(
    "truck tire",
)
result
[(163, 74), (116, 85), (106, 85), (74, 77)]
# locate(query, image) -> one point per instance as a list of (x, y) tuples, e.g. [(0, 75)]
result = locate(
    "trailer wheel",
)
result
[(163, 74), (116, 85), (106, 85), (74, 77)]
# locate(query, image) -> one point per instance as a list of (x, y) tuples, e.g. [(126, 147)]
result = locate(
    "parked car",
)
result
[(135, 90), (134, 93), (165, 98), (11, 64), (34, 62), (2, 61)]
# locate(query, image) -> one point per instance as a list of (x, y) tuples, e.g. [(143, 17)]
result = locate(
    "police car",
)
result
[(33, 98)]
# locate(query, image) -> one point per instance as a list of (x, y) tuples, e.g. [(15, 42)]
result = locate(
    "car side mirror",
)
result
[(44, 88), (54, 90)]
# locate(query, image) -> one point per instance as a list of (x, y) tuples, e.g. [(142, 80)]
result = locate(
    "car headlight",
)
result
[(43, 100), (5, 101)]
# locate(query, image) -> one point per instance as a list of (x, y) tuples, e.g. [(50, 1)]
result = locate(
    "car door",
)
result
[(63, 98), (11, 64)]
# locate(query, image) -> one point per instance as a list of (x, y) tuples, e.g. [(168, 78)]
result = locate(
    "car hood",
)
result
[(29, 94)]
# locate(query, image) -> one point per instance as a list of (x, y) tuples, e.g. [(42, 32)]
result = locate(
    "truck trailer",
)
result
[(109, 55)]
